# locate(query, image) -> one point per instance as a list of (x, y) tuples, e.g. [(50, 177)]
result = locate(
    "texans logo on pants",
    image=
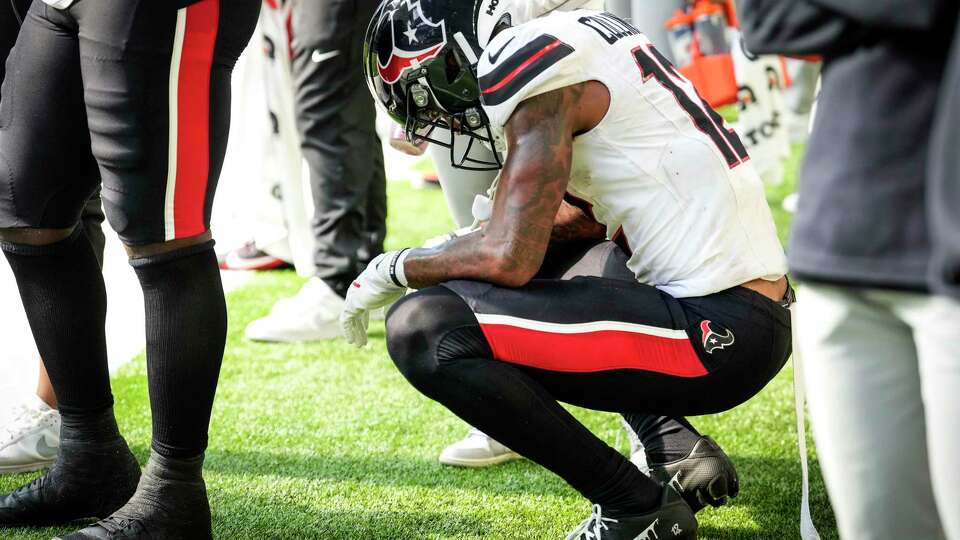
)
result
[(713, 341)]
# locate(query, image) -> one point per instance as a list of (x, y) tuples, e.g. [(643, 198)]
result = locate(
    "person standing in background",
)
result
[(943, 199), (943, 204), (882, 369), (336, 122), (29, 441)]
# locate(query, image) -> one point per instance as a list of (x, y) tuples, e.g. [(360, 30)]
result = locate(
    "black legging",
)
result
[(12, 13)]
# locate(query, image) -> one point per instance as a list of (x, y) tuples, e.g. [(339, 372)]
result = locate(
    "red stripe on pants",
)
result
[(193, 118), (593, 351)]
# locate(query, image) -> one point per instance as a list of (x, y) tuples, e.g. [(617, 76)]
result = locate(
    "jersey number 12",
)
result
[(653, 64)]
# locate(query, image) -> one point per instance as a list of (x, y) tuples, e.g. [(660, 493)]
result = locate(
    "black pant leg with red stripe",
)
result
[(134, 94), (503, 359)]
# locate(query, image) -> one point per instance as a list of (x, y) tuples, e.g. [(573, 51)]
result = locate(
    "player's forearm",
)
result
[(473, 257)]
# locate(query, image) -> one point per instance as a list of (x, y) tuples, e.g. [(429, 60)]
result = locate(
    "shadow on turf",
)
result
[(770, 488), (770, 492), (517, 477), (266, 519)]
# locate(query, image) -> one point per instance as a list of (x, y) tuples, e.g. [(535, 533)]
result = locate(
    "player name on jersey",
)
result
[(611, 28)]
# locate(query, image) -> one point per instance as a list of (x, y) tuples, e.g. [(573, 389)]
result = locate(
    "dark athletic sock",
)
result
[(507, 403), (64, 297), (186, 333), (664, 438)]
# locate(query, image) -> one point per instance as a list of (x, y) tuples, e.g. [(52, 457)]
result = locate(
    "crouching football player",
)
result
[(583, 107), (133, 93)]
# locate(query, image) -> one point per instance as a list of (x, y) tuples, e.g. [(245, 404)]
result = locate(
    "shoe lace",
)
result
[(34, 484), (115, 524), (248, 249), (24, 419), (592, 527)]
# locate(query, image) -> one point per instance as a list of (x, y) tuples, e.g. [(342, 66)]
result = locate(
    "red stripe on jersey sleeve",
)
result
[(513, 74)]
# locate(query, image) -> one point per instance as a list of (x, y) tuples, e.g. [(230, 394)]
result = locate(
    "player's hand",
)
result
[(399, 141), (375, 287)]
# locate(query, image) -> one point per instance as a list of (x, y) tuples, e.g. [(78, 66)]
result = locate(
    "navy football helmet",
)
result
[(420, 59)]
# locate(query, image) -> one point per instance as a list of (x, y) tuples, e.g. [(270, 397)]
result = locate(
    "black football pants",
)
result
[(502, 359), (11, 15)]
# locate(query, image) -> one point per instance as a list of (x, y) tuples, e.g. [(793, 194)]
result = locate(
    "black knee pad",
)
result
[(429, 328)]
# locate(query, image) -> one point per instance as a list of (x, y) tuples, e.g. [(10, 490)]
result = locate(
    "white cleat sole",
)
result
[(26, 468)]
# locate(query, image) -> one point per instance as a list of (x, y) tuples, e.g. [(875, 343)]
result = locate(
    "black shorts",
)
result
[(610, 343), (133, 92)]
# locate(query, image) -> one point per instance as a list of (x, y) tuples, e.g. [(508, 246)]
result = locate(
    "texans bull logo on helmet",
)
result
[(713, 341), (415, 39)]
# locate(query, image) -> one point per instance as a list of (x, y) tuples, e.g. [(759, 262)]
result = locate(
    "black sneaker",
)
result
[(672, 520), (170, 504), (94, 475), (706, 476)]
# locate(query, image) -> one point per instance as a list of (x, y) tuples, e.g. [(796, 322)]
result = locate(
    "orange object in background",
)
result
[(701, 47)]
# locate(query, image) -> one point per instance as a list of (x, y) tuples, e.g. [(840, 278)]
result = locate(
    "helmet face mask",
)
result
[(419, 73)]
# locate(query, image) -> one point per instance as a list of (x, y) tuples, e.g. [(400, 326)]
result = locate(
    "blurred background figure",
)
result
[(882, 367), (321, 116), (277, 208), (944, 194)]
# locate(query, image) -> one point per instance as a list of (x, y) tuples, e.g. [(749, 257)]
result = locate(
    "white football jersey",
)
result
[(661, 170)]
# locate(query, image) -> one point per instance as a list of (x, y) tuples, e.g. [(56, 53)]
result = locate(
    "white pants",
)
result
[(460, 186), (883, 377)]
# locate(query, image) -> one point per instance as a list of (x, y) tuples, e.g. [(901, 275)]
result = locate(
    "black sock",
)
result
[(64, 297), (664, 438), (186, 333), (430, 335)]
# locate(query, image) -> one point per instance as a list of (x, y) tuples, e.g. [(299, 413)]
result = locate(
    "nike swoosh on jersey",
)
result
[(495, 57), (319, 57), (510, 76)]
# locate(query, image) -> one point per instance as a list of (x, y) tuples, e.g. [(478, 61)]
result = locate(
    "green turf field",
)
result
[(325, 441)]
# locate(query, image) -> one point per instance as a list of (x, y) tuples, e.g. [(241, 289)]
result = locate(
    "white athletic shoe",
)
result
[(312, 315), (31, 440), (477, 450), (638, 456)]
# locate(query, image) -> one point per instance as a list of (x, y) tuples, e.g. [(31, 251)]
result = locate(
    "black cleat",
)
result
[(170, 504), (94, 475), (672, 520), (706, 476)]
